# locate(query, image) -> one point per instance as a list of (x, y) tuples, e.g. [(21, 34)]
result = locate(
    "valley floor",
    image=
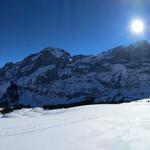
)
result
[(94, 127)]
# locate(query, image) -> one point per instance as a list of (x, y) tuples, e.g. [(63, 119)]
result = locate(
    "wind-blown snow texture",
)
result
[(97, 127), (54, 77)]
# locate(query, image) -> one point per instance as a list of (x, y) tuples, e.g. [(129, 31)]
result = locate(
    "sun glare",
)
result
[(137, 26)]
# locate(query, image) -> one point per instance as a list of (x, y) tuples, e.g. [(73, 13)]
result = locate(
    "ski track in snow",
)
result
[(29, 128)]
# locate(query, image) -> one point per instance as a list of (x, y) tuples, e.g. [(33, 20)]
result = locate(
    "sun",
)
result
[(137, 26)]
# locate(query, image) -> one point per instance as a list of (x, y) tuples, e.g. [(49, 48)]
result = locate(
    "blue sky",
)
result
[(78, 26)]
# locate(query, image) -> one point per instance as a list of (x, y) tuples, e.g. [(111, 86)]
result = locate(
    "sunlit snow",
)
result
[(95, 127)]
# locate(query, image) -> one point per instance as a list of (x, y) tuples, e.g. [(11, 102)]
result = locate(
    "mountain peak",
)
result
[(57, 52), (142, 43)]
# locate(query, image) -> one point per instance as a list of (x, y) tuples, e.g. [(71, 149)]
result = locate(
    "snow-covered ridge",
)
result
[(53, 76)]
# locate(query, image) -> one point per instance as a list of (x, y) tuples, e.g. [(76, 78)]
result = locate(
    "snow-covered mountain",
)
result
[(54, 77)]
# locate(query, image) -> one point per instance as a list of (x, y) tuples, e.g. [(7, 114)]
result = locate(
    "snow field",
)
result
[(94, 127)]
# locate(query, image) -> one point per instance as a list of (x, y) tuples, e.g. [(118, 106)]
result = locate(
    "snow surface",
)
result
[(94, 127)]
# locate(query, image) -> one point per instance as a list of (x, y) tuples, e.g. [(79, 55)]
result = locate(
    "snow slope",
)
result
[(97, 127)]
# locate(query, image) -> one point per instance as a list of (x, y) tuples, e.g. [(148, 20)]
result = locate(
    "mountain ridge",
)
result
[(54, 77)]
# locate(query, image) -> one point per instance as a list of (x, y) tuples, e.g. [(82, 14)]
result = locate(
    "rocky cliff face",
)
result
[(54, 77)]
